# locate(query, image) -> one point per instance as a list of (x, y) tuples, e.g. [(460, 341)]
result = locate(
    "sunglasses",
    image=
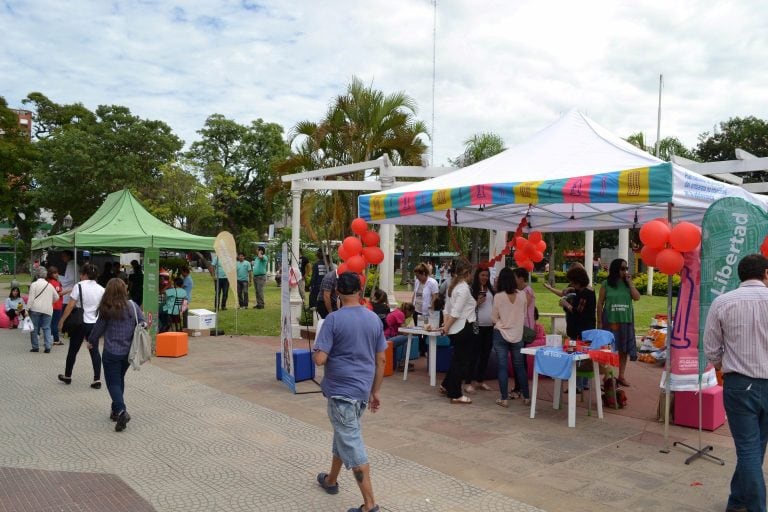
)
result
[(624, 268)]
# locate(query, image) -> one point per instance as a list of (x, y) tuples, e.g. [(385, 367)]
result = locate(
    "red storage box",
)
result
[(171, 344), (389, 367), (712, 409)]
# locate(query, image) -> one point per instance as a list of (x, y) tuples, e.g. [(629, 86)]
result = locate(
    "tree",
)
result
[(361, 125), (85, 155), (238, 165), (747, 133), (17, 159)]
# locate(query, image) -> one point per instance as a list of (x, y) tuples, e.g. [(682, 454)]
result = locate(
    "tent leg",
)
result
[(668, 363), (702, 452)]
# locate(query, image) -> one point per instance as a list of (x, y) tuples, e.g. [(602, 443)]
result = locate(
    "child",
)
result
[(14, 307)]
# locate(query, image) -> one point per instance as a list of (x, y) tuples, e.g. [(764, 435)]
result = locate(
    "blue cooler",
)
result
[(303, 366), (444, 353)]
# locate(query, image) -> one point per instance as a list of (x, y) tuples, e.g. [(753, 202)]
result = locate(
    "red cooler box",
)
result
[(712, 409)]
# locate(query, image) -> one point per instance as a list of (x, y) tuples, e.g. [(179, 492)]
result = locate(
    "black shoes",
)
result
[(122, 420), (113, 415), (65, 380), (96, 384), (34, 350), (47, 351)]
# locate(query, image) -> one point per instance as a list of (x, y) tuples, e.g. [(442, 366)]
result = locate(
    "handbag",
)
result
[(75, 320), (27, 325), (529, 335), (141, 345)]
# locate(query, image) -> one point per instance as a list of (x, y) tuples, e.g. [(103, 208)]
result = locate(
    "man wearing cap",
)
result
[(351, 346)]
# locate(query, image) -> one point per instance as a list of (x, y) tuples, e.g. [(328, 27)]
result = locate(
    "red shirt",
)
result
[(57, 306)]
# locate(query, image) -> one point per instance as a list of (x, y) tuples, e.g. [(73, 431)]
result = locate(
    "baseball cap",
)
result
[(348, 283)]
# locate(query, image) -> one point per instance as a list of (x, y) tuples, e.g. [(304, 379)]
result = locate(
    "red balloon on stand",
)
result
[(342, 268), (648, 254), (359, 226), (520, 258), (352, 246), (655, 234), (685, 236), (520, 242), (342, 252), (371, 238), (537, 255), (669, 261), (374, 255)]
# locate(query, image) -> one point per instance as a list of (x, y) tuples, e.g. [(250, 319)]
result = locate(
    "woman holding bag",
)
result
[(42, 296), (118, 316), (509, 309), (87, 295)]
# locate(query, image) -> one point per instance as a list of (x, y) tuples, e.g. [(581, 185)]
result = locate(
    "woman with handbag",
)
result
[(510, 305), (84, 300), (42, 296), (459, 324), (118, 316)]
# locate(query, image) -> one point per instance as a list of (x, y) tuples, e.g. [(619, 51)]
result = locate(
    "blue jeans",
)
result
[(115, 367), (348, 444), (746, 404), (41, 321), (55, 323), (503, 348)]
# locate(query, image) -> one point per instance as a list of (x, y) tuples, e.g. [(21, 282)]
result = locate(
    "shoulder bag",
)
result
[(141, 346), (74, 321)]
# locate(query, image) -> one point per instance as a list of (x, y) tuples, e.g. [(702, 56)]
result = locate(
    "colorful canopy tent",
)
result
[(123, 223), (573, 175)]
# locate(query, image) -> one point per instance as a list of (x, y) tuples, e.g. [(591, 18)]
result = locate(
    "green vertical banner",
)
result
[(151, 288), (732, 228)]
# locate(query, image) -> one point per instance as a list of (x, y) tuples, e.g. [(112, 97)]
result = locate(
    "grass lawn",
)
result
[(266, 322)]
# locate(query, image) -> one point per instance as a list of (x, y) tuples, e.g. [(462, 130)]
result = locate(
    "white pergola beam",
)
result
[(333, 171), (339, 185), (694, 166)]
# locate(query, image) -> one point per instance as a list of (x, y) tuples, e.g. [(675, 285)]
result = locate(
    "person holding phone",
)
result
[(616, 314)]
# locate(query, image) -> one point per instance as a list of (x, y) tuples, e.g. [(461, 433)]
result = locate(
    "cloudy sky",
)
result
[(506, 66)]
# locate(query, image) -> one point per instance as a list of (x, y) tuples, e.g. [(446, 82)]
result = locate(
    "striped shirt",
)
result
[(736, 332)]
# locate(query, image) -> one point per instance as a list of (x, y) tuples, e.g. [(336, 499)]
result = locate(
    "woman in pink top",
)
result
[(508, 315), (394, 321)]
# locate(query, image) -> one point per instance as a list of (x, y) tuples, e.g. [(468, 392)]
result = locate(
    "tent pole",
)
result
[(668, 363)]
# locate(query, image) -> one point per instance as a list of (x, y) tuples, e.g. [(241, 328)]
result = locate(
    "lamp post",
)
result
[(67, 221)]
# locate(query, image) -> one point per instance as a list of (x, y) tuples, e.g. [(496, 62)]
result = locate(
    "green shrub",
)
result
[(660, 282)]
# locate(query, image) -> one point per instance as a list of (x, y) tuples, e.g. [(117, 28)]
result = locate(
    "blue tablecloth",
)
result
[(553, 362)]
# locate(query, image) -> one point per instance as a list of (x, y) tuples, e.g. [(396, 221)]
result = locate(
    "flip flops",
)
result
[(330, 489), (361, 508), (464, 399)]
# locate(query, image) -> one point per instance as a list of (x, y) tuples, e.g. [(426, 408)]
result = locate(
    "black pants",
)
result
[(481, 351), (222, 290), (242, 293), (75, 340), (460, 361)]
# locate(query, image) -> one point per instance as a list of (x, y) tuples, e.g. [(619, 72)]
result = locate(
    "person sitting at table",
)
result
[(380, 305), (508, 315), (14, 307), (394, 321), (170, 307)]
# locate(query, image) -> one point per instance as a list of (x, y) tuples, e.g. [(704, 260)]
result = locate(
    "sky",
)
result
[(510, 67)]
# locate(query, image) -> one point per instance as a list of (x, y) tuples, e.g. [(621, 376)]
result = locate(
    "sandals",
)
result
[(65, 380), (443, 391), (464, 399), (330, 489), (484, 386), (623, 382), (501, 402)]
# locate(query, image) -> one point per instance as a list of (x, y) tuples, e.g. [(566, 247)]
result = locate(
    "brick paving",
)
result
[(189, 447)]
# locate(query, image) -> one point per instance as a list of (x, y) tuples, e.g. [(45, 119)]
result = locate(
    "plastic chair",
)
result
[(598, 338)]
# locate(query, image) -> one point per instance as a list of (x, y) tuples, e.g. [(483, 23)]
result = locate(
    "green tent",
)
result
[(123, 223)]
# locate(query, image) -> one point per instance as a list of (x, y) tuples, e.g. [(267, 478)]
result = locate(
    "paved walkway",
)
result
[(215, 431)]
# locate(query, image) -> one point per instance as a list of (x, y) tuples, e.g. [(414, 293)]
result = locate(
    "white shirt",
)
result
[(92, 293), (68, 278), (461, 306), (427, 290), (42, 295)]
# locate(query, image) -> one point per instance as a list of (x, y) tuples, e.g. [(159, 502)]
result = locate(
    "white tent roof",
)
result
[(573, 175)]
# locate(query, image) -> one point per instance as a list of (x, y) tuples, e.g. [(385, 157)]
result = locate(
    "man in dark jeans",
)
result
[(327, 298), (221, 284), (736, 342)]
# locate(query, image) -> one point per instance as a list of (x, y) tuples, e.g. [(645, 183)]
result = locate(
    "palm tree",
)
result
[(362, 124)]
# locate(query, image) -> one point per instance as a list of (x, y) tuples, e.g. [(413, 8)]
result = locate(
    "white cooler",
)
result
[(201, 319)]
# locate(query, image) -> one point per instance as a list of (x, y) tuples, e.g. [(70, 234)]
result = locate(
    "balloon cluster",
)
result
[(664, 244), (356, 253), (527, 251)]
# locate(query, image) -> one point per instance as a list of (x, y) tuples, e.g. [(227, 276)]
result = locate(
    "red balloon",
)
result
[(362, 281), (371, 238), (352, 246), (342, 252), (374, 255), (534, 237), (685, 236), (663, 220), (764, 247), (356, 264), (359, 226), (536, 255), (520, 258), (520, 242), (649, 254), (669, 261), (654, 234), (541, 246), (342, 268), (527, 265)]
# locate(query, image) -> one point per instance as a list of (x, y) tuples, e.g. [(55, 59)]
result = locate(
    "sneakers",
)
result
[(122, 420), (330, 489), (113, 415), (64, 379)]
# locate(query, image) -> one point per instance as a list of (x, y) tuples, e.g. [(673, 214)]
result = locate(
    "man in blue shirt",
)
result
[(351, 346), (244, 274)]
